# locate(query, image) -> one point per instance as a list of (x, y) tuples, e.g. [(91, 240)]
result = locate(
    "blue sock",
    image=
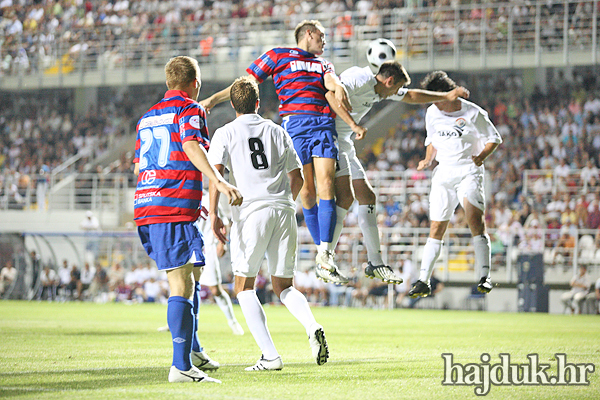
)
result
[(196, 346), (311, 217), (181, 325), (327, 220)]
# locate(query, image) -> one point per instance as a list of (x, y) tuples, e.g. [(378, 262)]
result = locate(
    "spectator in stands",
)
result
[(574, 298), (86, 278), (7, 276), (64, 275), (115, 274), (593, 298), (49, 281), (593, 217), (589, 171)]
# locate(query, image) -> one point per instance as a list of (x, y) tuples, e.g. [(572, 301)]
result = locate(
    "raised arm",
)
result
[(420, 96), (219, 97)]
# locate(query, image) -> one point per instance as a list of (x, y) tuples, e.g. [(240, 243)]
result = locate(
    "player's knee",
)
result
[(215, 290), (345, 201), (366, 197)]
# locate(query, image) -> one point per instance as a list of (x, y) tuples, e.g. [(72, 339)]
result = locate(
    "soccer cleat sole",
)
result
[(323, 355)]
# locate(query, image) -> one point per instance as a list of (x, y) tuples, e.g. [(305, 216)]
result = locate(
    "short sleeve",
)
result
[(218, 152), (485, 127), (263, 66), (192, 125)]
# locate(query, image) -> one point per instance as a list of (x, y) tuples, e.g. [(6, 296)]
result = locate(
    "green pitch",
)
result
[(113, 351)]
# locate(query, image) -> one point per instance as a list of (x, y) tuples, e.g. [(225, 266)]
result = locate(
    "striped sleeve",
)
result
[(192, 125), (264, 66)]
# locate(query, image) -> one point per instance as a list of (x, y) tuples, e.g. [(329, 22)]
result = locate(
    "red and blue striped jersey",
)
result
[(169, 187), (299, 80)]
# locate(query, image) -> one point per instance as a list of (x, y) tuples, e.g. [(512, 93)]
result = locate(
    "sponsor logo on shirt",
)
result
[(157, 120), (306, 66), (148, 177)]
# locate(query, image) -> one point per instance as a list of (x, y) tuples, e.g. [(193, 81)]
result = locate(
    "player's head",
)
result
[(244, 95), (183, 73), (310, 36), (438, 81), (392, 76)]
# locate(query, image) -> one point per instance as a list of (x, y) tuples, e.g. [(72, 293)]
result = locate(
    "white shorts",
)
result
[(451, 185), (349, 164), (268, 232), (211, 275)]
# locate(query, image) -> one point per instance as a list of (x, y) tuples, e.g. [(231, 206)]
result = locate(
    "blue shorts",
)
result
[(312, 136), (173, 244)]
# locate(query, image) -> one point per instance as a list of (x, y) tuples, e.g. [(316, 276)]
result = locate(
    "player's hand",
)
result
[(459, 92), (234, 197), (423, 164), (208, 104), (219, 230), (478, 160), (203, 213), (360, 131), (341, 96)]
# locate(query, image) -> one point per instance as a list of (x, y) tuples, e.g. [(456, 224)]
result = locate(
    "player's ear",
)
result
[(257, 106), (231, 102)]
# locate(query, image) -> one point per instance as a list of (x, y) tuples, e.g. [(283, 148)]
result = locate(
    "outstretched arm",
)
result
[(345, 116), (219, 97), (419, 96)]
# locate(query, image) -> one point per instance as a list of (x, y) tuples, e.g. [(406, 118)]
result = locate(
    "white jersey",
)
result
[(259, 154), (459, 135), (360, 83)]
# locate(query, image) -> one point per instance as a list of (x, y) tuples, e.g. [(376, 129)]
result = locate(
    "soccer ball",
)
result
[(379, 51)]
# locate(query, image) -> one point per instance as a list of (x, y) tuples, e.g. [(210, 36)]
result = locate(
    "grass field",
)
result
[(113, 351)]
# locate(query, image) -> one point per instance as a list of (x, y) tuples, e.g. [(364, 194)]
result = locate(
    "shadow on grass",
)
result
[(34, 383)]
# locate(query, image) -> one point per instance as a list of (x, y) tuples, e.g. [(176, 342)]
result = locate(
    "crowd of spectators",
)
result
[(36, 35)]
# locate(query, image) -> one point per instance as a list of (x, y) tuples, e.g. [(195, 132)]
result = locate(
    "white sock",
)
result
[(256, 320), (431, 252), (322, 247), (296, 303), (339, 224), (367, 220), (483, 255), (224, 303)]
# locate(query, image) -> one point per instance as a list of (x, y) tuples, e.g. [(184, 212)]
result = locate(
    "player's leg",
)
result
[(199, 357), (310, 208), (249, 240), (211, 277), (443, 200), (181, 324), (367, 221), (281, 258), (471, 193), (176, 248)]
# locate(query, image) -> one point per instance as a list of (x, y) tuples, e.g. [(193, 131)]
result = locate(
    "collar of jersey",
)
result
[(176, 93)]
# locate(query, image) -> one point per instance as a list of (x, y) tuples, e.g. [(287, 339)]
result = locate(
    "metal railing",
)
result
[(476, 36)]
